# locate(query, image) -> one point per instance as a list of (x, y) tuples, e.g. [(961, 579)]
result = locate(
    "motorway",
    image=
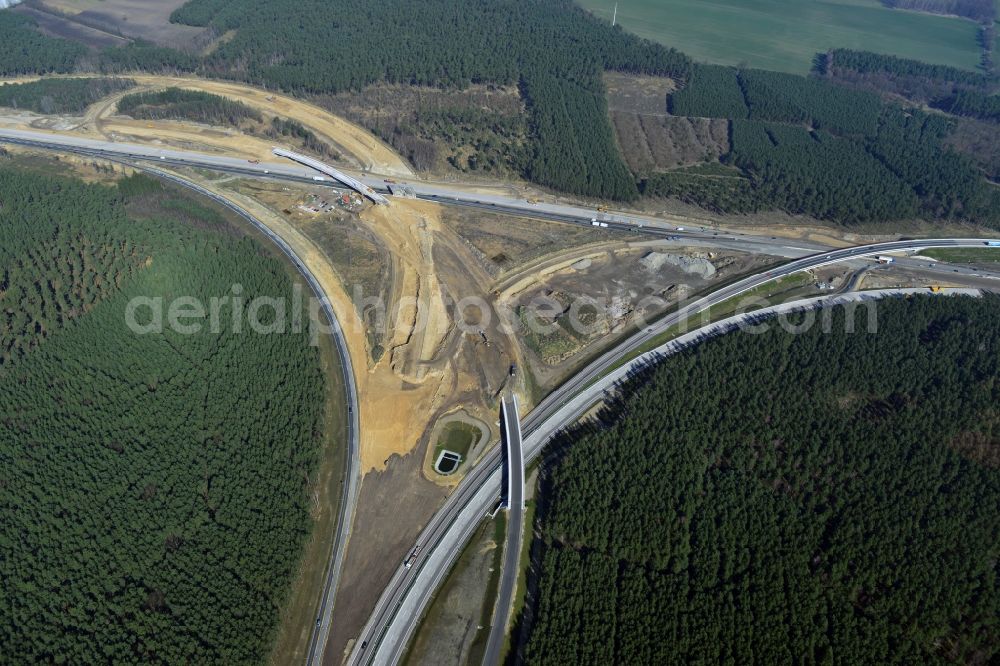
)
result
[(394, 619), (447, 195), (397, 612), (351, 480), (514, 445)]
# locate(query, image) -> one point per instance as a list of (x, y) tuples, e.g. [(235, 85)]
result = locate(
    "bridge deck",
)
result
[(336, 174)]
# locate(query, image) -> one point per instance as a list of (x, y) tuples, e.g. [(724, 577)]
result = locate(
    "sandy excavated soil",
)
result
[(404, 388), (355, 143)]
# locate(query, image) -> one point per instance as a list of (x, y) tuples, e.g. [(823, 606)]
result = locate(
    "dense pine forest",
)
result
[(24, 50), (830, 498), (971, 103), (60, 95), (839, 153), (154, 487), (179, 104)]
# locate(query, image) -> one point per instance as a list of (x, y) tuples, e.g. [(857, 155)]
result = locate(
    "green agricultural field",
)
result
[(784, 35)]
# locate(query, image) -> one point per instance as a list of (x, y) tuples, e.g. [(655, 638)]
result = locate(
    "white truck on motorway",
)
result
[(319, 178), (882, 259)]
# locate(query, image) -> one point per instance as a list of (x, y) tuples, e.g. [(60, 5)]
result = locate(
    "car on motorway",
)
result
[(412, 558)]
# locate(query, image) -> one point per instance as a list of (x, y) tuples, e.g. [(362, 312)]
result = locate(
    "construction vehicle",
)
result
[(532, 201), (254, 161), (602, 209), (935, 289), (408, 562)]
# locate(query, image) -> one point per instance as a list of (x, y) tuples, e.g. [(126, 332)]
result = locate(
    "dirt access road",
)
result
[(357, 144)]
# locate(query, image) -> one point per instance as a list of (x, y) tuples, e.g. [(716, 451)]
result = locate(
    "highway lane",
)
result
[(426, 191), (351, 482), (445, 195), (398, 627), (514, 445)]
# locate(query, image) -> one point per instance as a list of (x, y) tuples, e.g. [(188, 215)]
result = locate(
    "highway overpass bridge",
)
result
[(510, 432), (336, 174)]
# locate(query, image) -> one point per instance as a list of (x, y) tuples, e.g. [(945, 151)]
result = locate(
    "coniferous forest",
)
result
[(153, 487), (826, 498), (177, 103), (809, 146), (58, 95)]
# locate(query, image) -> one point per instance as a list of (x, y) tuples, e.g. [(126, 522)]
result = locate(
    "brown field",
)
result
[(980, 141), (406, 117), (361, 260), (657, 143), (137, 19), (651, 140), (634, 93), (58, 26)]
